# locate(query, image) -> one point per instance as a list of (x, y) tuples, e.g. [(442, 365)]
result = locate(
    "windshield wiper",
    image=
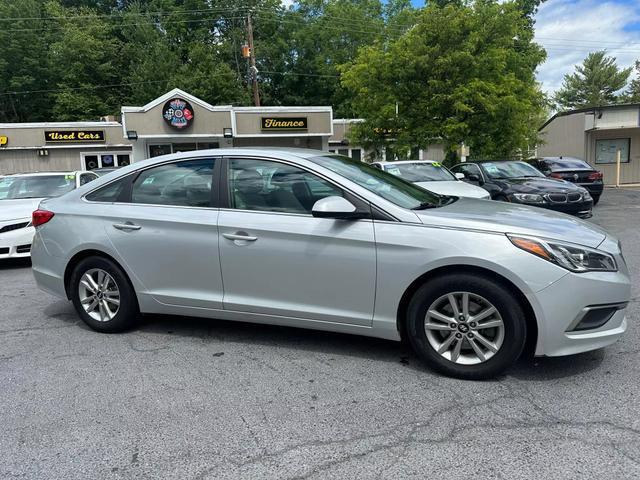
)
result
[(426, 205)]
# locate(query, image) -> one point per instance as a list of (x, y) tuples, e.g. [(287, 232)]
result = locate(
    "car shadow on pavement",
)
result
[(219, 332), (526, 368), (12, 263)]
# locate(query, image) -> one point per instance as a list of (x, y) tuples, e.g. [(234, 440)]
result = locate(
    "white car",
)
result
[(20, 195), (433, 176)]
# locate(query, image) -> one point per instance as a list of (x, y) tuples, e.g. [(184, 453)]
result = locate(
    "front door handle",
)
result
[(239, 236), (126, 226)]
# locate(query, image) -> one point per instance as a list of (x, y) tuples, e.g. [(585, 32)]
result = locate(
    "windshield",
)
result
[(568, 164), (391, 188), (420, 172), (510, 170), (35, 186)]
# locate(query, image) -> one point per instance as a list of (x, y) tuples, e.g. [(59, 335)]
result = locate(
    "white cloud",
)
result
[(570, 29)]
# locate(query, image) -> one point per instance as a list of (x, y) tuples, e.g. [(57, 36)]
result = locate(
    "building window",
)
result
[(167, 148), (343, 151), (91, 161), (606, 150), (356, 154)]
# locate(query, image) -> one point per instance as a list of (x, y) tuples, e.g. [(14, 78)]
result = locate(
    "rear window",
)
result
[(568, 164)]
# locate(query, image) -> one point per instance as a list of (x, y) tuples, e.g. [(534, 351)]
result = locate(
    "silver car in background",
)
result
[(433, 176), (309, 239)]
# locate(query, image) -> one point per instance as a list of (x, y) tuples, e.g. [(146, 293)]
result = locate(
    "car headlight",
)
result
[(585, 194), (575, 258), (528, 197)]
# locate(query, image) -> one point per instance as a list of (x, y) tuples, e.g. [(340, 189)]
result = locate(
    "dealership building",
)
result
[(597, 135), (175, 122)]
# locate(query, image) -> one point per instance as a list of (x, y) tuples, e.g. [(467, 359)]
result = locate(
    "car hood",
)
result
[(537, 185), (503, 217), (18, 209), (454, 187)]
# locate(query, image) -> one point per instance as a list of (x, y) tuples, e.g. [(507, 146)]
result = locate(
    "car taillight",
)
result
[(555, 175), (595, 176), (40, 217)]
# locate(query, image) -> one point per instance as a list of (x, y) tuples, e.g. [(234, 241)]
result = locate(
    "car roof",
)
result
[(396, 162), (42, 174), (558, 159)]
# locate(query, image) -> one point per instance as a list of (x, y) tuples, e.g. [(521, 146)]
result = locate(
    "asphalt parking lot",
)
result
[(197, 399)]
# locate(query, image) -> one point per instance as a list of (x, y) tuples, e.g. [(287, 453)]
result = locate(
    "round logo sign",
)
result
[(178, 113)]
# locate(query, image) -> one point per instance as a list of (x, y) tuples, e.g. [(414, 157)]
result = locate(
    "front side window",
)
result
[(420, 172), (393, 189), (36, 186), (468, 169), (275, 187), (187, 183)]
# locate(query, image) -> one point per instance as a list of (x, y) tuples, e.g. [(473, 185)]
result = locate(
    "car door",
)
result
[(278, 259), (167, 232)]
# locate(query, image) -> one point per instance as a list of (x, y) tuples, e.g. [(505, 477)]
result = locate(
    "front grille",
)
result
[(14, 226), (4, 250), (574, 197), (23, 248), (557, 197)]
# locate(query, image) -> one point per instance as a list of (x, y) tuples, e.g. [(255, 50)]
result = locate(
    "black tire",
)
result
[(501, 198), (127, 312), (508, 307), (596, 199)]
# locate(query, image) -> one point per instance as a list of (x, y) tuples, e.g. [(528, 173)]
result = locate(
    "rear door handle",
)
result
[(126, 226), (239, 236)]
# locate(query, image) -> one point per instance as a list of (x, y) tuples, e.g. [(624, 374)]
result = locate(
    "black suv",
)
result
[(519, 182), (572, 170)]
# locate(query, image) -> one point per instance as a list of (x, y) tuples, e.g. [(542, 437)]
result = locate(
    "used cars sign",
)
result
[(74, 135), (284, 123)]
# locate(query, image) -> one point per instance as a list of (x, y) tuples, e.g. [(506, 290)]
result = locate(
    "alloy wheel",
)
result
[(99, 295), (465, 328)]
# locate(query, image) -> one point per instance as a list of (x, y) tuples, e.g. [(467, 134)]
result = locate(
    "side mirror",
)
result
[(335, 207), (472, 177), (459, 175)]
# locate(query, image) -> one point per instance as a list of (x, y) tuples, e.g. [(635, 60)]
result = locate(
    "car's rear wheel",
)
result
[(596, 199), (466, 326), (103, 296)]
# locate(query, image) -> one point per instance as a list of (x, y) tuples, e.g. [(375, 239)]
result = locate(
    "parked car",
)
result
[(433, 176), (20, 195), (572, 170), (310, 239), (519, 182), (103, 171)]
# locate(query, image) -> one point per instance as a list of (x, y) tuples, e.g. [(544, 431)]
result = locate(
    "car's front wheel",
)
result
[(103, 296), (466, 326)]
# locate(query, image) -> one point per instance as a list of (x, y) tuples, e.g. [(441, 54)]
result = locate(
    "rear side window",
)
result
[(187, 183), (109, 193)]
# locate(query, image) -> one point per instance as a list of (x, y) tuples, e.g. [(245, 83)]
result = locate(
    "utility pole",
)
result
[(252, 59)]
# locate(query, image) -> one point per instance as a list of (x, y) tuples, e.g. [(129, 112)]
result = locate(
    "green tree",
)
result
[(632, 94), (23, 61), (596, 82), (85, 64), (462, 74)]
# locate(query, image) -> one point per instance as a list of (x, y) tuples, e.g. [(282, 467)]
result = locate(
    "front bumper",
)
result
[(560, 306), (16, 243)]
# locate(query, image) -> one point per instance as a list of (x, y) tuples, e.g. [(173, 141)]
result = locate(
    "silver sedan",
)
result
[(310, 239)]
